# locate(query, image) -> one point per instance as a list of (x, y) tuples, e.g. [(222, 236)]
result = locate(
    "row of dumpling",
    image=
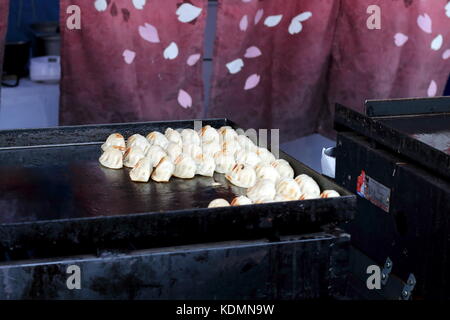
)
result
[(185, 153), (303, 187)]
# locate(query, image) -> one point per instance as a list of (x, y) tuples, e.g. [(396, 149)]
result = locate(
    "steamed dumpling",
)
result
[(265, 155), (205, 165), (173, 150), (142, 170), (288, 189), (218, 203), (132, 156), (209, 135), (156, 138), (116, 140), (227, 133), (284, 168), (266, 171), (210, 148), (249, 158), (308, 186), (185, 167), (173, 136), (330, 194), (136, 140), (230, 147), (246, 143), (242, 176), (190, 136), (241, 201), (263, 191), (112, 158), (156, 153), (191, 149), (224, 162), (163, 170)]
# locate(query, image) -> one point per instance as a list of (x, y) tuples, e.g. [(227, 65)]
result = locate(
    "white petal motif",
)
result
[(446, 54), (436, 44), (272, 21), (295, 27), (129, 56), (400, 39), (171, 52), (184, 99), (149, 33), (259, 14), (187, 12), (425, 23), (100, 5), (432, 89), (252, 81), (243, 24), (139, 4), (235, 66), (252, 52), (193, 59)]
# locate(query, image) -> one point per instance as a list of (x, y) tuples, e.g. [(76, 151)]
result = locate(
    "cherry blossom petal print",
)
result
[(139, 4), (432, 89), (193, 59), (446, 54), (235, 66), (447, 9), (171, 52), (243, 24), (400, 39), (296, 22), (259, 14), (303, 16), (252, 52), (184, 99), (424, 22), (295, 27), (100, 5), (252, 81), (272, 21), (437, 42), (149, 33), (247, 1), (187, 12), (129, 56)]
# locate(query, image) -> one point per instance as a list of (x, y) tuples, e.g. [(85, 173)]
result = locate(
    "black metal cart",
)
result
[(396, 157), (60, 208)]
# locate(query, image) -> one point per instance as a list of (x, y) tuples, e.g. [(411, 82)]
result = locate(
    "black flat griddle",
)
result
[(418, 129), (56, 199)]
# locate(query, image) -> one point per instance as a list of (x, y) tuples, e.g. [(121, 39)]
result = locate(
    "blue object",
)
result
[(22, 13), (447, 88)]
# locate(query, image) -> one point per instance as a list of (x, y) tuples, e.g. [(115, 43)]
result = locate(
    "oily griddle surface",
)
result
[(81, 189), (431, 129)]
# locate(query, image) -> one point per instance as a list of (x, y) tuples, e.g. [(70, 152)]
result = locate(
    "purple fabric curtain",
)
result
[(271, 63), (132, 61), (313, 53), (408, 57), (4, 11)]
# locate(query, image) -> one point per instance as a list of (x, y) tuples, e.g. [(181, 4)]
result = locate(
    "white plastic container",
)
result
[(45, 69), (328, 162)]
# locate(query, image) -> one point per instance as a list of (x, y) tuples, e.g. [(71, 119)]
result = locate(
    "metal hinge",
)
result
[(386, 271), (408, 288)]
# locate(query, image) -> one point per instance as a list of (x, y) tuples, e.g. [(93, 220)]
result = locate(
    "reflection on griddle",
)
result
[(86, 189)]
